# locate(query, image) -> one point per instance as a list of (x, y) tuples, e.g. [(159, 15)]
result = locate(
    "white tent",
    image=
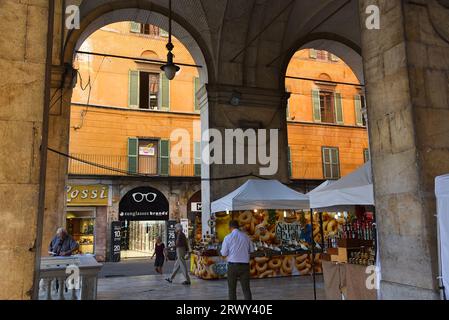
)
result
[(261, 194), (442, 194), (353, 189), (321, 186)]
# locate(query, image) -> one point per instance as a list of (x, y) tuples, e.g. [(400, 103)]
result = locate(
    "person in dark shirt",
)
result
[(182, 251), (62, 244), (159, 252)]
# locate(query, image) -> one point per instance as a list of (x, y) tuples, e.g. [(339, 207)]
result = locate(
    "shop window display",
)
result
[(81, 228)]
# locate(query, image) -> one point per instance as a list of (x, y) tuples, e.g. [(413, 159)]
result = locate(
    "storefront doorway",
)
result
[(143, 212), (141, 238), (81, 226)]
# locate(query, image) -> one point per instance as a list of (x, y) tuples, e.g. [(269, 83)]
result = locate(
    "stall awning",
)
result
[(261, 194), (442, 193), (353, 189)]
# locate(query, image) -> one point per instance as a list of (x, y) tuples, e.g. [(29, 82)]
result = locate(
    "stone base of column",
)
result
[(397, 291)]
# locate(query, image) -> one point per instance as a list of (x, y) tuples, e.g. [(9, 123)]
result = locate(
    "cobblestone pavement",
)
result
[(154, 287), (132, 267)]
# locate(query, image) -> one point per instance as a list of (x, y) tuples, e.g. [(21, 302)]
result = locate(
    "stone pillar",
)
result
[(406, 71), (57, 165), (251, 108), (22, 82)]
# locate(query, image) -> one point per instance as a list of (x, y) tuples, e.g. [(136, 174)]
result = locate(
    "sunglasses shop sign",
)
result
[(143, 203)]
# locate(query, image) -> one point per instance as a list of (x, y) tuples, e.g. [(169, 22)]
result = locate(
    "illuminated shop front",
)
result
[(143, 212), (86, 217)]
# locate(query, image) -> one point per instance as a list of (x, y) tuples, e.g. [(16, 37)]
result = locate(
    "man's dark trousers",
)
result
[(238, 271)]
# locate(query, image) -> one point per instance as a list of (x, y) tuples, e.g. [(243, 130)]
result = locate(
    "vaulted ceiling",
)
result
[(242, 42)]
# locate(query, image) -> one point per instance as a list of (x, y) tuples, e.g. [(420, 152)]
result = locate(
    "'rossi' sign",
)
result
[(87, 195)]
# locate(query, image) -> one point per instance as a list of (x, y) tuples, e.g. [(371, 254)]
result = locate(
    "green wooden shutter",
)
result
[(316, 105), (312, 53), (133, 151), (134, 27), (165, 92), (163, 33), (366, 155), (338, 108), (290, 168), (197, 160), (133, 89), (358, 110), (196, 87), (164, 157)]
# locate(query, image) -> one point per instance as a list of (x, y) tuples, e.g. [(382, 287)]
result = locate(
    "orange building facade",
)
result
[(124, 113)]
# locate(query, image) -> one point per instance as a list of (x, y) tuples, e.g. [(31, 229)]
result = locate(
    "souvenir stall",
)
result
[(442, 194), (277, 220), (349, 259)]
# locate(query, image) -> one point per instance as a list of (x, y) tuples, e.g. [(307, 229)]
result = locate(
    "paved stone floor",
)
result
[(154, 287), (132, 267)]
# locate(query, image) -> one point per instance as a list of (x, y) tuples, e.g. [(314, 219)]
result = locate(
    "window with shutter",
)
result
[(135, 27), (316, 105), (358, 110), (331, 163), (164, 157), (133, 150), (334, 58), (366, 155), (197, 160), (163, 33), (338, 108), (290, 167), (196, 87), (312, 53), (165, 92), (133, 89)]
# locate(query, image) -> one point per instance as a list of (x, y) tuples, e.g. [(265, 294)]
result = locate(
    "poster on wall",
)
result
[(116, 236), (148, 150), (143, 204), (171, 238)]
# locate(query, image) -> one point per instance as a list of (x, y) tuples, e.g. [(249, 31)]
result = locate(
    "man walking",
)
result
[(182, 250), (237, 247)]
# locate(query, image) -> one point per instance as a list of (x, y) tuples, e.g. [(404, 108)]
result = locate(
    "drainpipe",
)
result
[(43, 152)]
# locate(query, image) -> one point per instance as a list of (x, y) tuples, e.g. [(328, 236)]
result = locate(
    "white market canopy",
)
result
[(442, 194), (351, 190), (261, 194)]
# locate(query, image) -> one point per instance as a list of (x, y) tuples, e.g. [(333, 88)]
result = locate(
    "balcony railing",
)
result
[(111, 165)]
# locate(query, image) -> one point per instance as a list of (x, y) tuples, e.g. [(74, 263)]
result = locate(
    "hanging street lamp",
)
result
[(170, 68)]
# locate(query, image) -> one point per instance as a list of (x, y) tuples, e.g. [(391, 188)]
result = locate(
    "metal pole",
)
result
[(313, 255)]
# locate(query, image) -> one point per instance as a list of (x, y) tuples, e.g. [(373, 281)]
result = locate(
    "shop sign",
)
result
[(116, 238), (288, 231), (195, 207), (87, 195), (171, 239), (143, 204)]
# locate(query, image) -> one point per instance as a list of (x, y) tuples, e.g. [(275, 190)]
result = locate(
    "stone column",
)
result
[(57, 165), (228, 107), (406, 71)]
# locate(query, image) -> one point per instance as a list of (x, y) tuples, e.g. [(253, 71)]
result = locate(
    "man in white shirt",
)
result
[(237, 248)]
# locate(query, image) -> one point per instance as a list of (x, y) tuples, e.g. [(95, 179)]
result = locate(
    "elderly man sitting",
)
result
[(62, 244), (182, 250)]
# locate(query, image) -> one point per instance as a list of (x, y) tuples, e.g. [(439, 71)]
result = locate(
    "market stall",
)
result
[(442, 194), (350, 244), (273, 216)]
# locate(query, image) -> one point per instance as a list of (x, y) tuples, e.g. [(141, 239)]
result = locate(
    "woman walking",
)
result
[(159, 251)]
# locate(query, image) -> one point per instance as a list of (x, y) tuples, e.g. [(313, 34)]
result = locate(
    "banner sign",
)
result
[(116, 237), (171, 238)]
